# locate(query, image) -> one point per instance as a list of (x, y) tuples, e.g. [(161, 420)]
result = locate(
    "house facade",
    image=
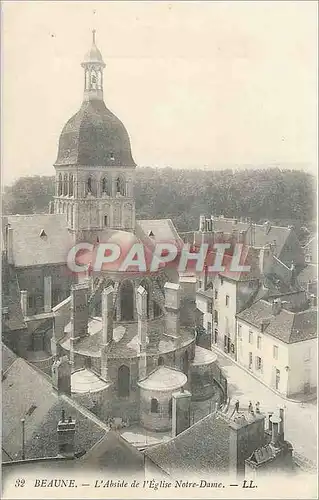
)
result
[(279, 346)]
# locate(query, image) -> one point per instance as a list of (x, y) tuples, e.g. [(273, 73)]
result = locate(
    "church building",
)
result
[(114, 342)]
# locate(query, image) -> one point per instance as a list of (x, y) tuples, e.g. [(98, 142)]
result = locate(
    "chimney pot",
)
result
[(275, 420), (276, 306)]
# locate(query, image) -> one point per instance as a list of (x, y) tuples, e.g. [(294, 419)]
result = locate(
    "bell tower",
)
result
[(94, 168), (93, 65)]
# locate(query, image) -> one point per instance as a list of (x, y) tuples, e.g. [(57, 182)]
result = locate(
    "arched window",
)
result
[(185, 363), (93, 80), (72, 217), (127, 301), (68, 214), (170, 405), (60, 185), (157, 310), (89, 185), (105, 186), (160, 361), (120, 185), (123, 381), (65, 185), (154, 405), (71, 187)]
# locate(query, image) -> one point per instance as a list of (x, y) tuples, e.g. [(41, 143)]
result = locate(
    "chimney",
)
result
[(66, 436), (24, 302), (51, 207), (313, 300), (172, 308), (181, 411), (79, 310), (61, 375), (10, 245), (142, 327), (47, 293), (276, 307), (275, 420), (267, 227), (241, 237), (270, 422)]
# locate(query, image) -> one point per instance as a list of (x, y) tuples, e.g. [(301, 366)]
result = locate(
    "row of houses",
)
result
[(264, 319)]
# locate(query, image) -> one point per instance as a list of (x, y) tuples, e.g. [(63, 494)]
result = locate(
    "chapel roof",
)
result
[(163, 379)]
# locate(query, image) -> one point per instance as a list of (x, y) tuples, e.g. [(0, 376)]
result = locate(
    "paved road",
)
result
[(300, 419)]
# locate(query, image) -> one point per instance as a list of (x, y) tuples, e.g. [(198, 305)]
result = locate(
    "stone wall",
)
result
[(161, 420)]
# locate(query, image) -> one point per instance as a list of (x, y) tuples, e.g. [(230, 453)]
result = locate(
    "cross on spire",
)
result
[(93, 33)]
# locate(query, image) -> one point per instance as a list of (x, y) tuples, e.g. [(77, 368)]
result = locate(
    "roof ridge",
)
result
[(87, 413)]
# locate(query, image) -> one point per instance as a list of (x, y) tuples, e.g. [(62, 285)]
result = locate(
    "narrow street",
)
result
[(300, 418)]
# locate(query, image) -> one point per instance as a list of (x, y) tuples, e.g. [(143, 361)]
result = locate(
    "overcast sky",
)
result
[(195, 83)]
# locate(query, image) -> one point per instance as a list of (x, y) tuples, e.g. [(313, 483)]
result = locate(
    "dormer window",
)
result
[(151, 234), (112, 157), (43, 234)]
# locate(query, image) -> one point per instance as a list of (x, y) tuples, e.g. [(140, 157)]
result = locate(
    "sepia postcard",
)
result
[(159, 249)]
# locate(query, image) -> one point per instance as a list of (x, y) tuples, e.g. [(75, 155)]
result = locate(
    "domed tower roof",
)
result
[(94, 135)]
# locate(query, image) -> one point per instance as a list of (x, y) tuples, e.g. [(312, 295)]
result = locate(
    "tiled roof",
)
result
[(249, 257), (114, 453), (8, 357), (308, 274), (163, 230), (13, 319), (125, 345), (28, 394), (257, 232), (287, 326), (203, 448), (284, 239), (30, 249)]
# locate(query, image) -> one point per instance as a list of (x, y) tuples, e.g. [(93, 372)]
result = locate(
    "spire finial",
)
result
[(93, 33)]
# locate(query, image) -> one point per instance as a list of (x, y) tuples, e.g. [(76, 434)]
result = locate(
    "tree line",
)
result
[(281, 196)]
